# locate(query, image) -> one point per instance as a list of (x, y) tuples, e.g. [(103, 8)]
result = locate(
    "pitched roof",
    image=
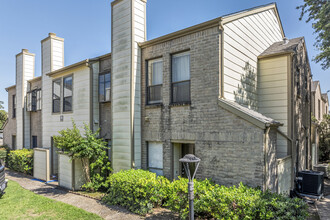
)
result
[(325, 96), (281, 47), (249, 115), (314, 85)]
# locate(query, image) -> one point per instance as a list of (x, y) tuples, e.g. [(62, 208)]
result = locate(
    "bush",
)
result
[(137, 190), (242, 202), (3, 153), (92, 151), (21, 161)]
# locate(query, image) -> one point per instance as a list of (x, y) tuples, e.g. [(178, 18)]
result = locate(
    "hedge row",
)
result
[(21, 161), (140, 191)]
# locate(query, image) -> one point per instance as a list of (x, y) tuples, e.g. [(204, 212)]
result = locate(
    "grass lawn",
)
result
[(19, 203)]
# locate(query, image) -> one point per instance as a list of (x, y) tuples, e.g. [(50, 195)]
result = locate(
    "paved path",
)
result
[(323, 208), (59, 194)]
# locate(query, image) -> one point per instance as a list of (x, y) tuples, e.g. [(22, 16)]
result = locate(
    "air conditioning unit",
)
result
[(310, 182)]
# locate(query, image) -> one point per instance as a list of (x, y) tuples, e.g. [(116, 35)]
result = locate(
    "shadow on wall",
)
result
[(246, 93)]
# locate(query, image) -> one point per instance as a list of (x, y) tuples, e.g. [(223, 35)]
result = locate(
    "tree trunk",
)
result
[(85, 164)]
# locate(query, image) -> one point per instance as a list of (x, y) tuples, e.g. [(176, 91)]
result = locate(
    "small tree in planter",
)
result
[(90, 149)]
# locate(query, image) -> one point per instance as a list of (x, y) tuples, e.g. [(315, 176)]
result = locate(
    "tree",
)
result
[(3, 115), (318, 11), (91, 150)]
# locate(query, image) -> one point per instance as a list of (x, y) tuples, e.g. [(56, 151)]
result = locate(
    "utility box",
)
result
[(70, 172), (310, 182)]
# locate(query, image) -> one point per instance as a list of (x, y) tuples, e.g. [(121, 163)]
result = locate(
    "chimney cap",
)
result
[(52, 34), (285, 40), (25, 50)]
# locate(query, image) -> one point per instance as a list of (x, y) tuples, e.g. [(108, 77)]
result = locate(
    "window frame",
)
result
[(104, 88), (30, 97), (14, 103), (183, 53), (148, 156), (62, 95), (148, 102)]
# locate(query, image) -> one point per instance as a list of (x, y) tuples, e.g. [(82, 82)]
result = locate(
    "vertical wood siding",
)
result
[(273, 95), (244, 40)]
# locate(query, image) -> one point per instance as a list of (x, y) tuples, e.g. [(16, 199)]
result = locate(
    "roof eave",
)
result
[(67, 68)]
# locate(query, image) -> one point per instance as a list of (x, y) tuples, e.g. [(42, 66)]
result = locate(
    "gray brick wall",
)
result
[(231, 149), (10, 128)]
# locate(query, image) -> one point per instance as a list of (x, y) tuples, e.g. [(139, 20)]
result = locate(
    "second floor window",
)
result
[(181, 78), (57, 96), (33, 100), (104, 87), (155, 81), (14, 106), (67, 94), (319, 109)]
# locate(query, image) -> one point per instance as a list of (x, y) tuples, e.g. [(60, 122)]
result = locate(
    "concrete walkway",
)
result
[(59, 194), (323, 206)]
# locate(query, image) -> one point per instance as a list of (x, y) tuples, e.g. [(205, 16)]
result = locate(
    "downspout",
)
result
[(221, 83), (266, 134)]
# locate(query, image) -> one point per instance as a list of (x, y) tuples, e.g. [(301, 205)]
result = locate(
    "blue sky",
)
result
[(85, 25)]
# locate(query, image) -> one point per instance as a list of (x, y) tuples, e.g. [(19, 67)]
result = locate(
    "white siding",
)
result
[(81, 105), (273, 95), (24, 72), (126, 88), (244, 40)]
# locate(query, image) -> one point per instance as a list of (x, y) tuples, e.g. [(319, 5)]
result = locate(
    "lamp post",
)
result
[(186, 160)]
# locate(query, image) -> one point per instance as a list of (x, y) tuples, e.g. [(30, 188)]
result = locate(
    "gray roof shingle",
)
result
[(281, 47)]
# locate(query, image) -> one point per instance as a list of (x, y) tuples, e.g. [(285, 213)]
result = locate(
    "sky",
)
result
[(86, 27)]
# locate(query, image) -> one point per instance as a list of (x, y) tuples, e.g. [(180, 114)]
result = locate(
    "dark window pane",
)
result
[(154, 94), (67, 104), (34, 142), (56, 105), (181, 92), (56, 96), (104, 87), (67, 94)]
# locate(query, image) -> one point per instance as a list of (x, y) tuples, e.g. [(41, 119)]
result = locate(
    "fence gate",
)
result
[(41, 168), (284, 175)]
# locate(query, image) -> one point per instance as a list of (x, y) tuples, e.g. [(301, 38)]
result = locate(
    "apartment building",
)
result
[(232, 90), (319, 108)]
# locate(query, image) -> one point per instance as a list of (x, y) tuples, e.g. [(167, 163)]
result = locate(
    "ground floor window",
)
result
[(34, 142), (155, 158), (13, 142)]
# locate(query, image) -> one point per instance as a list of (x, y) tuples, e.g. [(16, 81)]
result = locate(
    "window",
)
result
[(14, 106), (34, 142), (67, 94), (104, 87), (181, 78), (57, 96), (13, 142), (155, 158), (34, 100), (155, 81)]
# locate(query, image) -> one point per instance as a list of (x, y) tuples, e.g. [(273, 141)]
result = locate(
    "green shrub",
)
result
[(137, 190), (21, 161), (3, 153), (242, 202)]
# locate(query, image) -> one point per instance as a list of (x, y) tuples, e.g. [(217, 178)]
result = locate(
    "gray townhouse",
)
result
[(233, 90)]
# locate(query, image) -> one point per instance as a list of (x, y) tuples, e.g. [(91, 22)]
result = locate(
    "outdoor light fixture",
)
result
[(186, 160)]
